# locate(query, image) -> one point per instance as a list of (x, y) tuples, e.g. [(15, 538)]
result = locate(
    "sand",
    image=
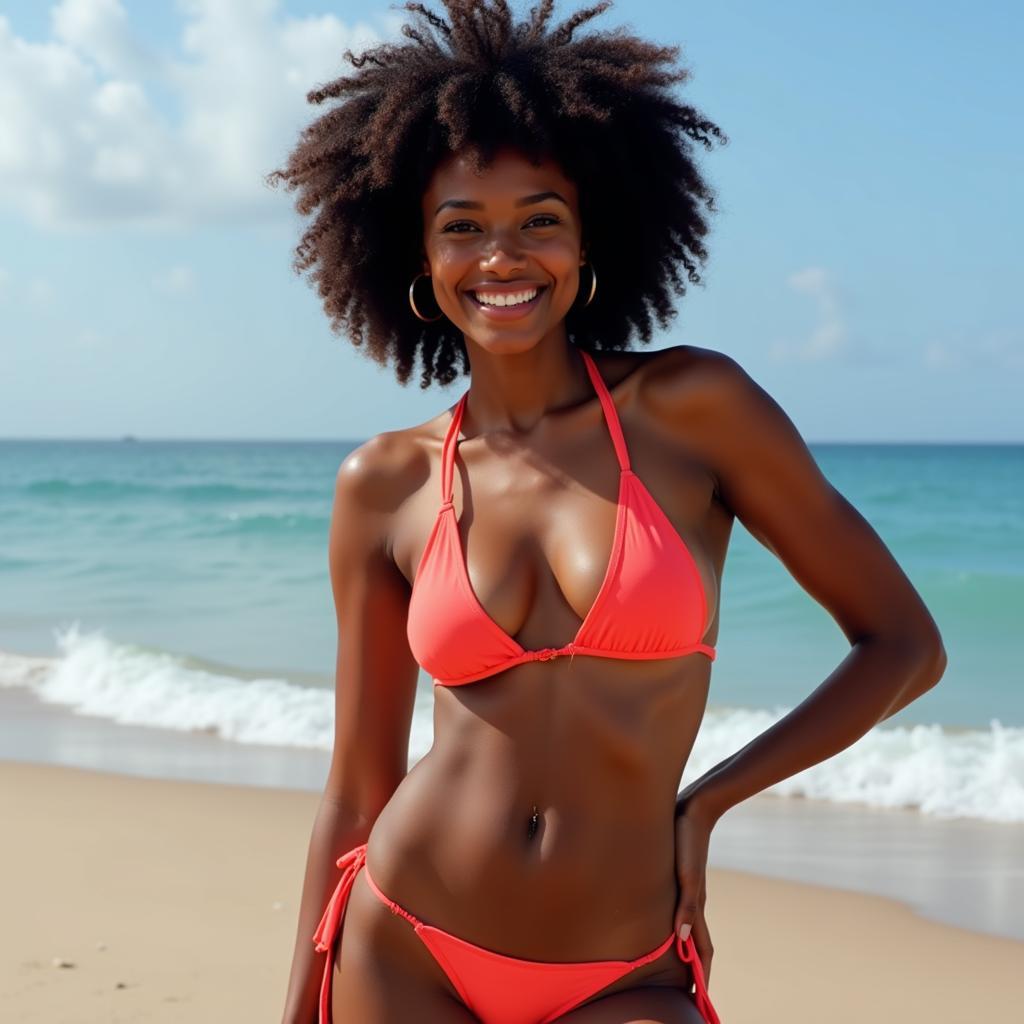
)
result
[(177, 901)]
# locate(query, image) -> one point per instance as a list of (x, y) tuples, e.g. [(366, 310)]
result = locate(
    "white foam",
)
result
[(939, 771), (135, 686)]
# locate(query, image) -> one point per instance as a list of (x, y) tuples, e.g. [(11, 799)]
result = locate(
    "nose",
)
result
[(503, 255)]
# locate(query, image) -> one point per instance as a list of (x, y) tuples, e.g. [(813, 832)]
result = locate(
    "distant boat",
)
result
[(129, 437)]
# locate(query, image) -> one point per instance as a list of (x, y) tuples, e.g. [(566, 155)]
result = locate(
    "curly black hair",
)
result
[(599, 106)]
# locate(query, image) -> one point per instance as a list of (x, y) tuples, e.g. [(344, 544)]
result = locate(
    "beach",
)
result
[(173, 900), (232, 417)]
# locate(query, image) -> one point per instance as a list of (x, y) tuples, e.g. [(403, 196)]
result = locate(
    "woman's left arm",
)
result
[(771, 483)]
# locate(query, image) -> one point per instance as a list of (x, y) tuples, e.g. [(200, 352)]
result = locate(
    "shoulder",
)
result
[(692, 378), (380, 475), (689, 391), (761, 462), (701, 393), (708, 404), (372, 472)]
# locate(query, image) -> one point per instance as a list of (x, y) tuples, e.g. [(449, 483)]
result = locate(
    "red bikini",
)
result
[(651, 604), (498, 989)]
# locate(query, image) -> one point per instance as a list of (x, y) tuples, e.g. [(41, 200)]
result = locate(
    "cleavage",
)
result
[(542, 554)]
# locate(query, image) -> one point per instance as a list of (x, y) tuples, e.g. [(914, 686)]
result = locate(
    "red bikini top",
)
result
[(651, 603)]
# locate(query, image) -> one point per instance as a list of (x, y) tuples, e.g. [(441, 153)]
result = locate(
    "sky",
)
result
[(864, 265)]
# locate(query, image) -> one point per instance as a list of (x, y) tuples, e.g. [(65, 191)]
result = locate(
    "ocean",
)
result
[(184, 584)]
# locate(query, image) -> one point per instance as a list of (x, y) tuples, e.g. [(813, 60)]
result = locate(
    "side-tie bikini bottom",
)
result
[(499, 989)]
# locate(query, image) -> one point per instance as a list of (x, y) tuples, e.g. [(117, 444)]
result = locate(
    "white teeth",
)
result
[(514, 299)]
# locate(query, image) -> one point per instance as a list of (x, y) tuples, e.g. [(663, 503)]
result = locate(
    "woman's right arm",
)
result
[(375, 688)]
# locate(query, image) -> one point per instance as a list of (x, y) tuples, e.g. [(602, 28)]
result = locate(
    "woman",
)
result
[(532, 197)]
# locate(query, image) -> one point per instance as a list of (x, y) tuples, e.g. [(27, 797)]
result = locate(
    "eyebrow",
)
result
[(469, 204)]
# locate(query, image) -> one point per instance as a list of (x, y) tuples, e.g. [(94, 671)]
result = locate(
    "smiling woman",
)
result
[(539, 863), (486, 171)]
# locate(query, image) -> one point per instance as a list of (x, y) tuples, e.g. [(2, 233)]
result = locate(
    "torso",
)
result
[(596, 745)]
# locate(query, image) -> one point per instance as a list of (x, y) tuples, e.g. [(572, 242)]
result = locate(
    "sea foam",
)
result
[(137, 686)]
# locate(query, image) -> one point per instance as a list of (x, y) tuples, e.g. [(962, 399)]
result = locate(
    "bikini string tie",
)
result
[(688, 954), (351, 862)]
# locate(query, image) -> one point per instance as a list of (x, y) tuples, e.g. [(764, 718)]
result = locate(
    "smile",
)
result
[(511, 306)]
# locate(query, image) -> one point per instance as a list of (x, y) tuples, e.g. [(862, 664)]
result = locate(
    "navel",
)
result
[(533, 824)]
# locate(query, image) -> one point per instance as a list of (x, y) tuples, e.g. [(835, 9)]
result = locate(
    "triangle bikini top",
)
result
[(651, 603)]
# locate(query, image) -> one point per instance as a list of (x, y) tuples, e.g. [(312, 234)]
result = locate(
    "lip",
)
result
[(508, 312)]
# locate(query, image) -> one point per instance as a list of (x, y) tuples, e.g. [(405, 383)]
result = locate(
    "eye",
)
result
[(532, 221)]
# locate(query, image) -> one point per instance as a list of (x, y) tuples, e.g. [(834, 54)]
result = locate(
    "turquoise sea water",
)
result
[(185, 584)]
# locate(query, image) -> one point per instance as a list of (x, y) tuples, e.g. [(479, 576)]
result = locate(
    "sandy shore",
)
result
[(176, 901)]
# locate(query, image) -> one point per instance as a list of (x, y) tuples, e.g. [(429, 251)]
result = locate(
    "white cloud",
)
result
[(829, 337), (99, 31), (175, 280), (85, 140)]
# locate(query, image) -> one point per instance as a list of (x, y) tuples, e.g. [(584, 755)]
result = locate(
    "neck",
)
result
[(512, 393)]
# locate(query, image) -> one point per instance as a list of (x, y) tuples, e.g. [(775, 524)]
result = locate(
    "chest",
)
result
[(544, 535)]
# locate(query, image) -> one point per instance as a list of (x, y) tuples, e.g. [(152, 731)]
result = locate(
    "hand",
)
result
[(693, 836)]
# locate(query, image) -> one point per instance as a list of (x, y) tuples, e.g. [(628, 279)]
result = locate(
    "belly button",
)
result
[(531, 829)]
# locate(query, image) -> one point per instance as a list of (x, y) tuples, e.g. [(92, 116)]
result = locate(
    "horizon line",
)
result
[(140, 439)]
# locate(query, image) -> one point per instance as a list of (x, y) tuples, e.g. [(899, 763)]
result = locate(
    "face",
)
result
[(502, 236)]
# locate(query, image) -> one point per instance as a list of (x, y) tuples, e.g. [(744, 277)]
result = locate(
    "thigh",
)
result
[(383, 974), (377, 999), (646, 1005)]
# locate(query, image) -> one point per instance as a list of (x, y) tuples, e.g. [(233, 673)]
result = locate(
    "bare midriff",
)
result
[(541, 824)]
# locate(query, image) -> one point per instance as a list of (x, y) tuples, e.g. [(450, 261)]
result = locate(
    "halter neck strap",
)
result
[(611, 416), (448, 450)]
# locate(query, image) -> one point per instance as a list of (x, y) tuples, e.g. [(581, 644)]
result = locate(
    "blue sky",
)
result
[(863, 264)]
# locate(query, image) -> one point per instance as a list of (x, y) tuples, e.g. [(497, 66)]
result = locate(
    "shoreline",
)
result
[(178, 900), (960, 872)]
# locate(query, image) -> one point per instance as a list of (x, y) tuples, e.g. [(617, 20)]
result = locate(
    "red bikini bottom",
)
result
[(499, 989)]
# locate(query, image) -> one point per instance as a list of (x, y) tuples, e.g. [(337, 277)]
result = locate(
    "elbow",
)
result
[(937, 662), (929, 660), (917, 656)]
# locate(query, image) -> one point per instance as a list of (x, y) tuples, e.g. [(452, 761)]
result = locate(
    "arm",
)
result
[(769, 480), (375, 686)]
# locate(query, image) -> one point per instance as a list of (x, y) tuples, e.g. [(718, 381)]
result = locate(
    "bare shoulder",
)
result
[(372, 475), (745, 440), (687, 379), (691, 394), (707, 398), (762, 465), (379, 476), (385, 470)]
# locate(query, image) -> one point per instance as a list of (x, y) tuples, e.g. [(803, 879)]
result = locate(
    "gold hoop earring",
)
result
[(412, 302), (593, 284)]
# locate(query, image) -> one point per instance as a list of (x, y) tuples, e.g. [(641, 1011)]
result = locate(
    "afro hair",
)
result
[(599, 105)]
